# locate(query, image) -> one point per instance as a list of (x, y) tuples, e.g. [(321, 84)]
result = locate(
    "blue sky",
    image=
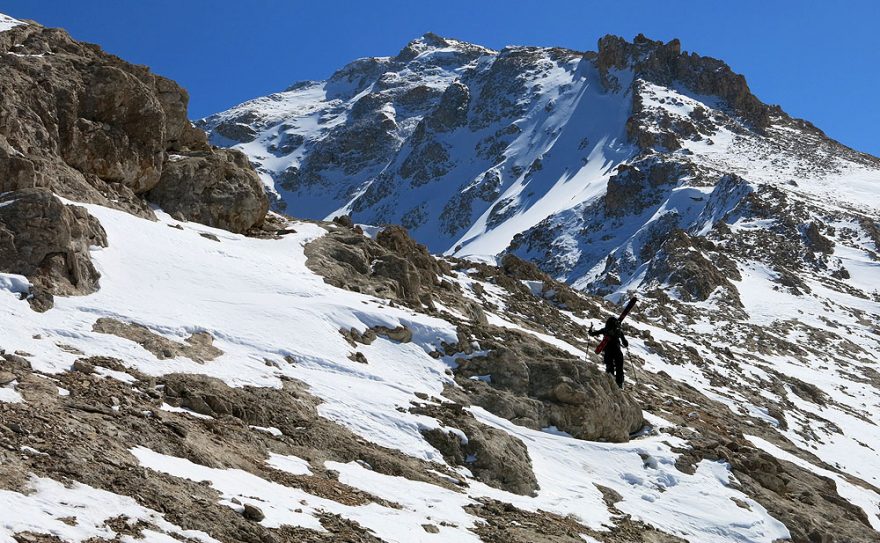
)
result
[(818, 60)]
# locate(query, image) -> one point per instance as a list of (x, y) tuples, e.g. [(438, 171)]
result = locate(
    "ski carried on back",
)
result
[(601, 346)]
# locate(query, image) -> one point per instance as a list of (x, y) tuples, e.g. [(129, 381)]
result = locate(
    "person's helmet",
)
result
[(612, 322)]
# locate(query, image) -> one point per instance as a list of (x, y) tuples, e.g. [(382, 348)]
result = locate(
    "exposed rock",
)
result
[(198, 347), (6, 378), (393, 266), (817, 241), (358, 357), (397, 240), (634, 187), (211, 397), (217, 188), (505, 523), (252, 512), (493, 456), (93, 128), (665, 63), (452, 110), (524, 381), (48, 242), (680, 265), (83, 123), (103, 461)]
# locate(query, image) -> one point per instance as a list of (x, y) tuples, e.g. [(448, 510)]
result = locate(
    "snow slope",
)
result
[(7, 22), (260, 302)]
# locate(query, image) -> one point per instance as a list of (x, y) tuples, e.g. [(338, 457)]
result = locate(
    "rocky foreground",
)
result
[(179, 364)]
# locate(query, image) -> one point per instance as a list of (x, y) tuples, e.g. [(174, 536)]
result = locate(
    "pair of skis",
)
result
[(632, 303)]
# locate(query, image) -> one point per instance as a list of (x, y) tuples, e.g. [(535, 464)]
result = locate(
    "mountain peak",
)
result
[(615, 51), (665, 64), (431, 41)]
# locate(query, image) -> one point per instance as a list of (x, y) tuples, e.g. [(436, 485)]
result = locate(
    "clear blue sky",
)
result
[(818, 60)]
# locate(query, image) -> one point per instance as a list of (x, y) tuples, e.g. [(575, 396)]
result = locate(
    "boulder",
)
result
[(48, 242), (252, 512), (523, 381), (217, 188), (494, 456)]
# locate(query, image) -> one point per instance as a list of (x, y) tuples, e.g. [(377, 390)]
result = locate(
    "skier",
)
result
[(613, 354)]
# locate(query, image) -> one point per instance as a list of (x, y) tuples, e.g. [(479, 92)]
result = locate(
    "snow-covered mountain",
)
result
[(178, 365), (753, 236), (468, 147)]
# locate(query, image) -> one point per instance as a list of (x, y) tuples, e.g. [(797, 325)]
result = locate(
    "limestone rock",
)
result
[(536, 387), (493, 456), (93, 128), (49, 242), (679, 264), (217, 188), (393, 266)]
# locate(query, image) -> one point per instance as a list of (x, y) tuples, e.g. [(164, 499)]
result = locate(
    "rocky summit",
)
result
[(359, 310)]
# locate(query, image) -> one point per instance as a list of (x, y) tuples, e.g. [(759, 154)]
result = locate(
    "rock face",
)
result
[(93, 128), (87, 126), (680, 264), (215, 188), (393, 266), (665, 64), (48, 241)]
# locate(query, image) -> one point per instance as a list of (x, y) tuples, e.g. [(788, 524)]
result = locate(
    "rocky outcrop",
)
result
[(665, 64), (93, 128), (199, 347), (452, 110), (681, 264), (211, 397), (216, 188), (493, 456), (393, 266), (816, 241), (634, 187), (534, 386), (48, 242), (90, 127)]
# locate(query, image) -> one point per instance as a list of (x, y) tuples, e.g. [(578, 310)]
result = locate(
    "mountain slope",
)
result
[(178, 365), (752, 236)]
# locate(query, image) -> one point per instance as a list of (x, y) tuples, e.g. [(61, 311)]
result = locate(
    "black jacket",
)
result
[(615, 338)]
